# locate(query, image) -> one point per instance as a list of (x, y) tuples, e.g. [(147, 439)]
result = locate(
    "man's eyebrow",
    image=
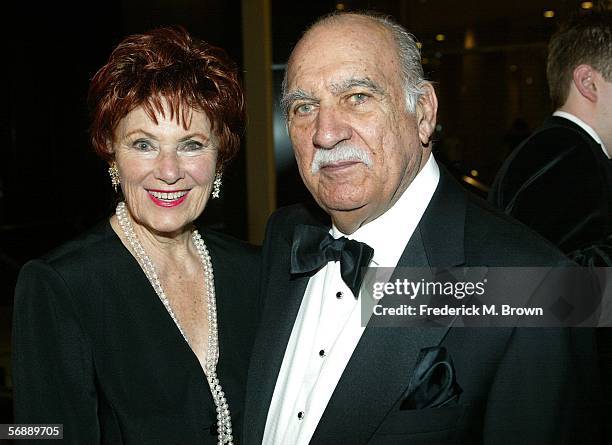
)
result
[(353, 82), (293, 96)]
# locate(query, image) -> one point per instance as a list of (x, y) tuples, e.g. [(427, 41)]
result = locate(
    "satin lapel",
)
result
[(268, 352), (380, 368), (283, 300), (442, 226)]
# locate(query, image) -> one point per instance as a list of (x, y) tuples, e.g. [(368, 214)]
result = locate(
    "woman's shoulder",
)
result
[(71, 272), (93, 246), (230, 254), (228, 243)]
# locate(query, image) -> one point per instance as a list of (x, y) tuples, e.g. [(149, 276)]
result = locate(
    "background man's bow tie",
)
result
[(313, 247)]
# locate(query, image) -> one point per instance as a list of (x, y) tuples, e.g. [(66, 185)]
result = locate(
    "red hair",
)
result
[(166, 64)]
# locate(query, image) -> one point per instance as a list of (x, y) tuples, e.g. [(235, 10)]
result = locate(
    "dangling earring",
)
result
[(113, 171), (217, 185)]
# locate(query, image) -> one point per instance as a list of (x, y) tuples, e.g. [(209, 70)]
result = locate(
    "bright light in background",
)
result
[(549, 14), (479, 185), (586, 5), (440, 37), (469, 42), (419, 45), (474, 173), (340, 6)]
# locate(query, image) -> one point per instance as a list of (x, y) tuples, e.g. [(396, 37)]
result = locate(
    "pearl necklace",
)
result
[(224, 420)]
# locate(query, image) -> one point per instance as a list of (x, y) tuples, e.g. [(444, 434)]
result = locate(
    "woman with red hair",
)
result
[(140, 330)]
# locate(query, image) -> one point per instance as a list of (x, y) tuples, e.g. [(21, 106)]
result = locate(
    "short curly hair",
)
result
[(167, 65), (583, 39)]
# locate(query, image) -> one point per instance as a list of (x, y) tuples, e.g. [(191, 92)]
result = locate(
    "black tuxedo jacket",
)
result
[(559, 182), (95, 350), (520, 386)]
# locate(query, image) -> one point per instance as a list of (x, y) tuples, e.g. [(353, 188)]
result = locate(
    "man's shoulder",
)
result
[(555, 136), (544, 160), (557, 140), (498, 240), (286, 218)]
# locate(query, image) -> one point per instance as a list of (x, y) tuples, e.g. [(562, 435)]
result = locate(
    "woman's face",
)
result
[(166, 170)]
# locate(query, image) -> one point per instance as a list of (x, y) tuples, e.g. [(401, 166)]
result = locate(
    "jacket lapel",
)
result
[(283, 298), (442, 226), (379, 370)]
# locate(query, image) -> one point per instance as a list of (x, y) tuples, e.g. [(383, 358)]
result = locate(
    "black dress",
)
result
[(95, 350)]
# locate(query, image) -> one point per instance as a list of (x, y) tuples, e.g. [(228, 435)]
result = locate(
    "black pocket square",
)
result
[(433, 383)]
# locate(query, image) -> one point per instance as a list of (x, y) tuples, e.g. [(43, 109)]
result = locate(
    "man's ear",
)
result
[(426, 112), (584, 81)]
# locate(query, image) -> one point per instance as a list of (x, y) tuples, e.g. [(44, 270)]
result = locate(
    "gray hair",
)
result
[(408, 52)]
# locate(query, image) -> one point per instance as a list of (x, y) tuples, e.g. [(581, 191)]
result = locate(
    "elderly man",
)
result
[(559, 181), (360, 117)]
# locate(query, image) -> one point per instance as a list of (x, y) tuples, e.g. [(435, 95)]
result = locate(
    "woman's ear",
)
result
[(110, 149), (426, 112)]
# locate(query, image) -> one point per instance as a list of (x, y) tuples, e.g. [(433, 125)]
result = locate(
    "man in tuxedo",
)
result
[(360, 116), (559, 180)]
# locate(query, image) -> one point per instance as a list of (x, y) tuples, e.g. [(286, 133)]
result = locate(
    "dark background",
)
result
[(488, 70)]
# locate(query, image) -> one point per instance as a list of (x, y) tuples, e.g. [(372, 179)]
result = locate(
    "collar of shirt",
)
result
[(390, 232), (586, 127)]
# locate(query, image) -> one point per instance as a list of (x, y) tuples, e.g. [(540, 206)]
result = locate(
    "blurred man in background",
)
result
[(559, 181)]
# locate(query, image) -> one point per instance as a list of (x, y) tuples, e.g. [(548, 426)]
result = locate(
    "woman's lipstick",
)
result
[(164, 198)]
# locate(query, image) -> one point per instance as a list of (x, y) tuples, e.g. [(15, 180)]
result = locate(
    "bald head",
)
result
[(369, 29)]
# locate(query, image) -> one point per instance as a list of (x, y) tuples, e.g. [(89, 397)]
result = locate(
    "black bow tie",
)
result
[(313, 247)]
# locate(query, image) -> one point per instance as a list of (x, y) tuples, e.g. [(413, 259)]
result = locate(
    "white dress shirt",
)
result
[(328, 325), (586, 127)]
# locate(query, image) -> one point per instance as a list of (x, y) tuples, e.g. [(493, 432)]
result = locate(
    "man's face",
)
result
[(357, 146)]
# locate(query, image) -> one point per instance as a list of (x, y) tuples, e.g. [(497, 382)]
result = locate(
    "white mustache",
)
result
[(339, 153)]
